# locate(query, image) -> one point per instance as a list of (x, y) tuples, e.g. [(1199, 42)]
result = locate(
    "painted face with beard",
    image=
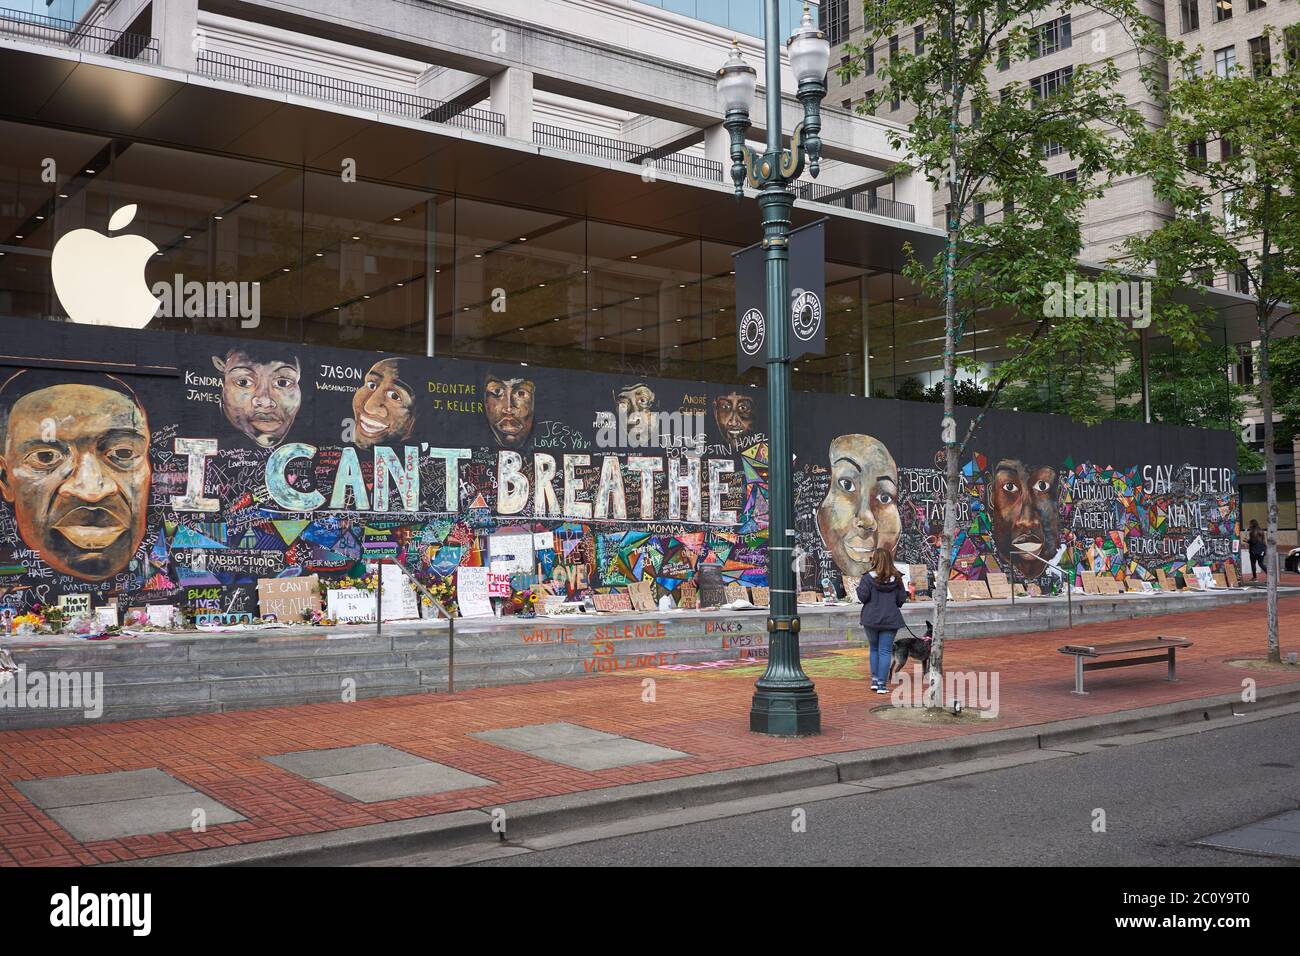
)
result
[(860, 511), (734, 414), (76, 469), (1026, 524), (509, 404)]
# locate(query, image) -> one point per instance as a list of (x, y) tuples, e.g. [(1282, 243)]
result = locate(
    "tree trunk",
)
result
[(948, 435), (1270, 481)]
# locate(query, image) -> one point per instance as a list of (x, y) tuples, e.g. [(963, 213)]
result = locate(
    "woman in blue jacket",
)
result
[(882, 593)]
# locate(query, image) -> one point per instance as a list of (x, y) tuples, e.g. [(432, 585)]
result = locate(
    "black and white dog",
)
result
[(917, 648)]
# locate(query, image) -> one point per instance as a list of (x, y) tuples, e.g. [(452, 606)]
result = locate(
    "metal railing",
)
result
[(859, 201), (589, 144), (77, 36), (286, 79)]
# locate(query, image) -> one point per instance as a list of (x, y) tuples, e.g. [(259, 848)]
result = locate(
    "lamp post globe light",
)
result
[(785, 701)]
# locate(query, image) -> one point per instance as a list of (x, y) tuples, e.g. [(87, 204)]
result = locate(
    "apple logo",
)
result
[(100, 279)]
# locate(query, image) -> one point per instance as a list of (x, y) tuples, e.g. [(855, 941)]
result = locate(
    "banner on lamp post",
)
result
[(806, 315), (751, 308), (808, 290)]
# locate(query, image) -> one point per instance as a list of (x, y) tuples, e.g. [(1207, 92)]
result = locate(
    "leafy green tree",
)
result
[(1285, 367), (1190, 387), (983, 141), (1239, 214)]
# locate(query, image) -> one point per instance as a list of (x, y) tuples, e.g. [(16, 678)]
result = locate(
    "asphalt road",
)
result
[(1157, 797)]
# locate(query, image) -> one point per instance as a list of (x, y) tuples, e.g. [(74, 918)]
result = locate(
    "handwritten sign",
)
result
[(74, 605), (351, 605), (736, 592), (106, 615), (999, 586), (1204, 577), (472, 592), (160, 615), (288, 598), (400, 603), (641, 595), (688, 596), (615, 601)]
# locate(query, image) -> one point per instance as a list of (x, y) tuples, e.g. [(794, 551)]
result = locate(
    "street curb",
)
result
[(531, 817)]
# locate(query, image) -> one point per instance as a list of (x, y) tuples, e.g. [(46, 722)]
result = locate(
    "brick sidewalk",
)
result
[(703, 713)]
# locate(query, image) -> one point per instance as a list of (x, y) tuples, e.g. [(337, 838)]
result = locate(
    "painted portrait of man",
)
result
[(635, 404), (1026, 524), (384, 406), (74, 464), (734, 415), (260, 394), (860, 511), (509, 404)]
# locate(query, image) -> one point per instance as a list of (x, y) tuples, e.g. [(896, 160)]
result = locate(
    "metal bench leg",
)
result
[(1173, 674), (1078, 675)]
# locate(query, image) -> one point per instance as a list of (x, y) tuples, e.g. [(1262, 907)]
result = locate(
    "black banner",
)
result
[(808, 290), (751, 308), (807, 295)]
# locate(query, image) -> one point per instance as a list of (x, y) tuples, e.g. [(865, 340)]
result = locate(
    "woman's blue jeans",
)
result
[(882, 651)]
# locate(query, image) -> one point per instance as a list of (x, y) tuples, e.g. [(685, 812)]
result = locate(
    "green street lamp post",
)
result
[(785, 700)]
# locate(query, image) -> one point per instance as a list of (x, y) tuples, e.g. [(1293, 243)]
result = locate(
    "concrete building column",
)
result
[(175, 24), (511, 94), (915, 189), (717, 147)]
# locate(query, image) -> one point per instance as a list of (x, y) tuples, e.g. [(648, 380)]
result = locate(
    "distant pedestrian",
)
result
[(1257, 544), (882, 593)]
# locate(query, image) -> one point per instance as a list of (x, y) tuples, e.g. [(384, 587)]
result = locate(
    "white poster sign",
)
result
[(351, 605), (472, 592), (160, 615), (544, 541), (400, 602), (511, 553), (1204, 577)]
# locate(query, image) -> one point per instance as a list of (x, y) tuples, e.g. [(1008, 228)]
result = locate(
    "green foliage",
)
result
[(1190, 387), (1031, 233), (1285, 368)]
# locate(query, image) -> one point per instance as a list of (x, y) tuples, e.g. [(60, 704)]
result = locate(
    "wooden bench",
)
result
[(1163, 648)]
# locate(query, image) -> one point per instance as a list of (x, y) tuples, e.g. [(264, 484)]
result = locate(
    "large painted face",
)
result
[(860, 511), (734, 414), (384, 406), (1026, 526), (261, 399), (508, 404), (76, 470)]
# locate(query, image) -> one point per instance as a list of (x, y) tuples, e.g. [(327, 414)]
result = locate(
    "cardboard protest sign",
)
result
[(287, 598), (351, 605), (641, 594)]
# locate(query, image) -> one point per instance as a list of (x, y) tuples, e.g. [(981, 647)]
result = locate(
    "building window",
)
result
[(1052, 148), (893, 47), (844, 67), (835, 20), (979, 214), (1261, 58), (1069, 175), (1225, 62), (1244, 370), (1253, 5), (1190, 15), (1196, 154), (1231, 220), (1241, 278), (975, 116), (1049, 84), (895, 103), (1292, 35), (870, 66), (1004, 54), (918, 40), (846, 104), (1227, 149), (1050, 37), (1222, 10)]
